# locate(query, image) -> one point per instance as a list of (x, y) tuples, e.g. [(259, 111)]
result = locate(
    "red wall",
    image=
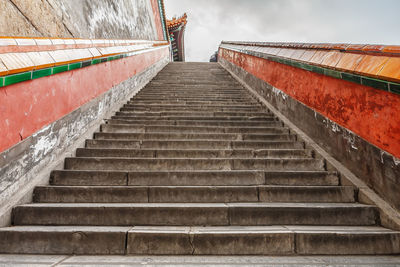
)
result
[(372, 114), (157, 19), (29, 106)]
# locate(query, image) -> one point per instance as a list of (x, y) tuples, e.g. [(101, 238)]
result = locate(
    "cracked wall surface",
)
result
[(110, 19)]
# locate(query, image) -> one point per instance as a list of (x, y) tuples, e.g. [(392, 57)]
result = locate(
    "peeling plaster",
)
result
[(46, 142)]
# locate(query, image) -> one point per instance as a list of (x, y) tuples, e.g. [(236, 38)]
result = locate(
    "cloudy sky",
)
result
[(343, 21)]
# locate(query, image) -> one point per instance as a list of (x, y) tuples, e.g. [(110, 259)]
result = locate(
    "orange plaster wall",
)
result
[(29, 106), (370, 113), (157, 19)]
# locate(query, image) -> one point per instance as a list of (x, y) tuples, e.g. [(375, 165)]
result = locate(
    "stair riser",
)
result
[(135, 164), (191, 109), (192, 144), (227, 178), (209, 114), (180, 101), (269, 243), (198, 123), (203, 136), (77, 242), (191, 194), (198, 243), (129, 128), (150, 153), (187, 105), (171, 118), (192, 215)]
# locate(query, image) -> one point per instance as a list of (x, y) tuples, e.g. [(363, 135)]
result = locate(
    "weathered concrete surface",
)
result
[(29, 163), (79, 18), (379, 170), (192, 261)]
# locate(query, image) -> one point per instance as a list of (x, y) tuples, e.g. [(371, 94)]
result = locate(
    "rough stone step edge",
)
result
[(388, 216)]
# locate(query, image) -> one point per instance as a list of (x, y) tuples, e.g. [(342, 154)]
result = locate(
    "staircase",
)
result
[(194, 165)]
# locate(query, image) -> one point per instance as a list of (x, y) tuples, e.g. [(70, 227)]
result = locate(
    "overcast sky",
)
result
[(343, 21)]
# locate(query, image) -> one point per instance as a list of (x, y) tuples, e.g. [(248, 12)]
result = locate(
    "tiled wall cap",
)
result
[(56, 41), (373, 48), (4, 41), (69, 41), (393, 49), (41, 59), (376, 61), (25, 41), (340, 46), (43, 41)]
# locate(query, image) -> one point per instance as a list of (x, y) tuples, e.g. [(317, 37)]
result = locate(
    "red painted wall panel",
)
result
[(370, 113), (157, 19), (29, 106)]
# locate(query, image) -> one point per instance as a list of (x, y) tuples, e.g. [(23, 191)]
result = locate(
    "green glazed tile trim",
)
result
[(41, 73), (375, 83), (1, 81), (74, 66), (394, 88), (332, 73), (96, 61), (16, 78), (86, 63), (60, 69), (351, 77), (317, 69)]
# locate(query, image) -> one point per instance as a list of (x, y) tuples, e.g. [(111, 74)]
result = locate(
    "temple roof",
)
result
[(177, 21)]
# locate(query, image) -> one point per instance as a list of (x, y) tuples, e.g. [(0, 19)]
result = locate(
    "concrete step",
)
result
[(264, 240), (189, 113), (135, 164), (209, 240), (281, 134), (202, 100), (193, 108), (193, 153), (193, 178), (195, 118), (78, 240), (192, 194), (191, 96), (193, 104), (194, 214), (192, 144), (130, 128), (219, 102), (222, 123)]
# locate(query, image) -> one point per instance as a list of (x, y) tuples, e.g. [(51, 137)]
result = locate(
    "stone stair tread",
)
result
[(192, 214), (205, 205), (169, 194), (193, 143), (194, 177), (181, 240), (181, 128), (195, 153), (179, 135), (134, 163)]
